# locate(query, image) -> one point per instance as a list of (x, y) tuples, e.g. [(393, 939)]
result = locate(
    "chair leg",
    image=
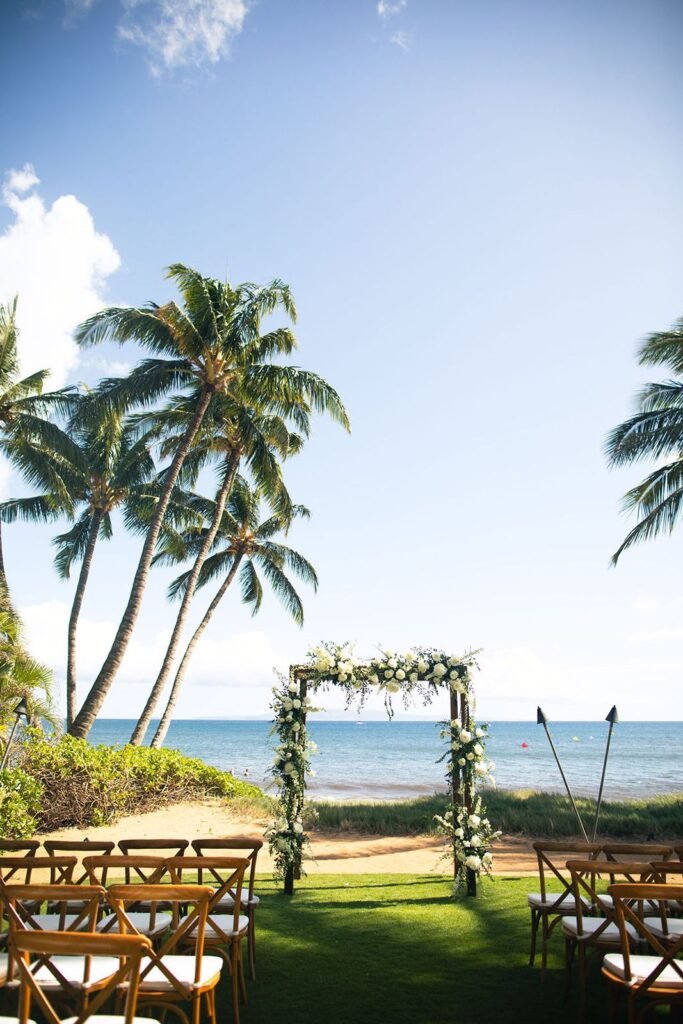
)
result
[(612, 1002), (251, 938), (569, 948), (544, 945), (234, 983), (583, 969), (243, 984), (534, 929)]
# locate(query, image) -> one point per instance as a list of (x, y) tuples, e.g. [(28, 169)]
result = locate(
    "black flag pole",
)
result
[(542, 720), (613, 719)]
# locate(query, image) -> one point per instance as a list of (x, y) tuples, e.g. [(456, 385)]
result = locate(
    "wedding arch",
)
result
[(423, 672)]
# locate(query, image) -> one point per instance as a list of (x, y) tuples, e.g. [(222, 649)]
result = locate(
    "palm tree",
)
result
[(210, 345), (243, 543), (99, 468), (655, 432), (22, 402), (232, 430)]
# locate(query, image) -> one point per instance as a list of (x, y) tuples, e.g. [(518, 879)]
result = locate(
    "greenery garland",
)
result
[(420, 671)]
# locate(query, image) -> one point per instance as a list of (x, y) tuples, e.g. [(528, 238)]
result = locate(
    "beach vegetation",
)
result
[(654, 433), (67, 782)]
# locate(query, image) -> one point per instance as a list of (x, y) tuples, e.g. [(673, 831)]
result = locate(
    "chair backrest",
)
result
[(20, 869), (225, 875), (624, 896), (669, 871), (637, 851), (227, 846), (552, 864), (60, 847), (14, 846), (193, 897), (129, 950), (132, 870), (23, 904), (155, 847), (585, 875)]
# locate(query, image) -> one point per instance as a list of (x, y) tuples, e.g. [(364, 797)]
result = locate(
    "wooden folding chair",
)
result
[(587, 936), (21, 871), (547, 908), (667, 925), (647, 980), (238, 847), (22, 903), (638, 852), (167, 977), (225, 927), (151, 920), (122, 953), (154, 847), (66, 847)]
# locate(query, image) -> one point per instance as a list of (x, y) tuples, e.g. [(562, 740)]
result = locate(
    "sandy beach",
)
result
[(332, 852)]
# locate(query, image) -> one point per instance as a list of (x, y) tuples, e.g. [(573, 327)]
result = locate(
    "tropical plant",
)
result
[(244, 542), (97, 468), (655, 432), (210, 345), (21, 676), (233, 430), (22, 403)]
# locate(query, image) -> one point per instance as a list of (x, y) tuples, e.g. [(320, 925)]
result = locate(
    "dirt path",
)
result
[(333, 852)]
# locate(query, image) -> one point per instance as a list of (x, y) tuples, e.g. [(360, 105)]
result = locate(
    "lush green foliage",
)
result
[(20, 801), (20, 674), (398, 948), (518, 812), (86, 785)]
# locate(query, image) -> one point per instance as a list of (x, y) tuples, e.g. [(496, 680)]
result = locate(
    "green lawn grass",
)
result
[(399, 948), (515, 812)]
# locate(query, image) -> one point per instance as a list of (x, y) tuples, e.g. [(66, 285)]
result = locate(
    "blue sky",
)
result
[(479, 210)]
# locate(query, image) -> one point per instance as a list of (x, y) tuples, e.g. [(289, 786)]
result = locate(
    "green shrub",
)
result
[(86, 785), (20, 800)]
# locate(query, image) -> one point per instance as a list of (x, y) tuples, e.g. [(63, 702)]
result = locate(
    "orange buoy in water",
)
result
[(525, 745)]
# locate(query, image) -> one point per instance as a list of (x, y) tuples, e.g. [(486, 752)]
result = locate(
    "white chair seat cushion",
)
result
[(56, 923), (227, 902), (225, 923), (674, 926), (73, 967), (141, 921), (182, 968), (3, 968), (606, 902), (15, 1020), (107, 1018), (566, 905), (609, 935), (642, 967)]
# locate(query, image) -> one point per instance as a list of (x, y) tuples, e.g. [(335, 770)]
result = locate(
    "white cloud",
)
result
[(386, 9), (402, 39), (658, 636), (645, 605), (58, 264), (242, 660), (182, 33)]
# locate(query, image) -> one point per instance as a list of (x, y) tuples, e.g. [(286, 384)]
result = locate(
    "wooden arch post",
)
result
[(299, 674), (460, 794)]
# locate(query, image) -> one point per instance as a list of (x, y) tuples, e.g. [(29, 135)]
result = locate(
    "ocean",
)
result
[(382, 760)]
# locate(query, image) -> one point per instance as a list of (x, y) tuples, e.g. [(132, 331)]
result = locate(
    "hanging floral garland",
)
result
[(421, 671)]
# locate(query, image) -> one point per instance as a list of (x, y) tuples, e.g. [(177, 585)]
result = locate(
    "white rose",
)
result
[(409, 656), (465, 736), (478, 749), (288, 704), (392, 663), (293, 688), (479, 733), (473, 863), (295, 727), (487, 860), (439, 670), (400, 674), (455, 745), (288, 768), (374, 678), (470, 756), (480, 769), (474, 820), (462, 762), (475, 841), (413, 677), (457, 687), (388, 674), (453, 674), (455, 723), (422, 667), (388, 654), (296, 704), (459, 833), (276, 759), (298, 828), (393, 687)]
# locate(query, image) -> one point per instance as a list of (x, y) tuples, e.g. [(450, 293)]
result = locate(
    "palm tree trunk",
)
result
[(102, 684), (75, 612), (3, 578), (162, 728), (140, 729)]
